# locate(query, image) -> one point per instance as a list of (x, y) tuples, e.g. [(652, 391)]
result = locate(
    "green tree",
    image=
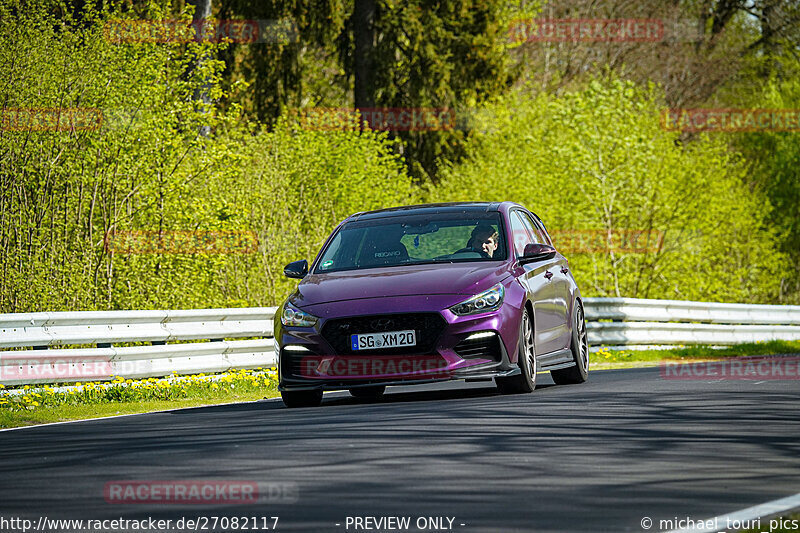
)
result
[(598, 160), (379, 53), (705, 45), (68, 193), (774, 160)]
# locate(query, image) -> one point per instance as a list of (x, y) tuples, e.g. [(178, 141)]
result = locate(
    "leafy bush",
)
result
[(149, 167), (164, 160), (774, 157), (598, 159)]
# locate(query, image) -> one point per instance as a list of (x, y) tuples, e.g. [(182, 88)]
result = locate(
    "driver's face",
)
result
[(489, 245)]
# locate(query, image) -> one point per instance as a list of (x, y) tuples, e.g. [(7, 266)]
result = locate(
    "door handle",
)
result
[(548, 274), (564, 270)]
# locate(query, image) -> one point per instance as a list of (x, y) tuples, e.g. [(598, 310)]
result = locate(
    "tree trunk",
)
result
[(201, 14), (364, 40)]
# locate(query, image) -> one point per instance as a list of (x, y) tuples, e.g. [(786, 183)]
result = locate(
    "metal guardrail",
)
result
[(242, 338), (238, 338), (643, 322)]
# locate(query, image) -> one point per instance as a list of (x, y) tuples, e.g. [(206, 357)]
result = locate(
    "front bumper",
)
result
[(342, 385), (312, 362)]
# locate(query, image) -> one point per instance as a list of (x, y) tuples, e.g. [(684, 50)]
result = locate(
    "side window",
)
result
[(538, 234), (537, 238), (543, 230), (519, 233)]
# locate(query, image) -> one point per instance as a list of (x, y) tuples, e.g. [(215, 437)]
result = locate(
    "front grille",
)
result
[(427, 327), (482, 348)]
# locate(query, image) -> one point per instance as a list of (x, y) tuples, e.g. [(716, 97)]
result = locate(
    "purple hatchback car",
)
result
[(472, 291)]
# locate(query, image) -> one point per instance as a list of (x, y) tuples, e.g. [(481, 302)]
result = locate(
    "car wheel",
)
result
[(368, 393), (526, 357), (302, 398), (580, 352)]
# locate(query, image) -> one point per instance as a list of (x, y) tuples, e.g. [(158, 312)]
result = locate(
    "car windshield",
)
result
[(393, 241)]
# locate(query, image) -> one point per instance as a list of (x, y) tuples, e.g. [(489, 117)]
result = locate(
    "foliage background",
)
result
[(598, 158), (583, 151), (148, 168)]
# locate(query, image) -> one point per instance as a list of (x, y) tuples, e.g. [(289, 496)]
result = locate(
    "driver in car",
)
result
[(483, 241)]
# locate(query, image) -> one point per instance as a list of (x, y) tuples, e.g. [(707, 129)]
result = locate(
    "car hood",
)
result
[(448, 278)]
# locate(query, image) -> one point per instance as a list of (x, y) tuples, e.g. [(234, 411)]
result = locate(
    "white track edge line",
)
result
[(750, 513)]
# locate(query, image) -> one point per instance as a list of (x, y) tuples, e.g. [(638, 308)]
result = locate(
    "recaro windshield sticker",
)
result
[(387, 253)]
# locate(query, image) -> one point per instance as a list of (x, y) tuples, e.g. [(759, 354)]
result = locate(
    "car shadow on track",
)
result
[(424, 395), (400, 394)]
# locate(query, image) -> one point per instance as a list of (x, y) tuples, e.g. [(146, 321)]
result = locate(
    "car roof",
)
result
[(429, 209)]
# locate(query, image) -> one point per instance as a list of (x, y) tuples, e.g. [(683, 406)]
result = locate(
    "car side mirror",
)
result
[(537, 252), (296, 269)]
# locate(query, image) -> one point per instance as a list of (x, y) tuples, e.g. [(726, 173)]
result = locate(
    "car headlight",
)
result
[(292, 316), (488, 300)]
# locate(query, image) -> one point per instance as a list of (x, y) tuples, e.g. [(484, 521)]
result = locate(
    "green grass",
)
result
[(43, 403), (62, 413), (693, 353)]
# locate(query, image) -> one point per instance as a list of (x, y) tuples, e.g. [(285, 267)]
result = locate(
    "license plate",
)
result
[(390, 339)]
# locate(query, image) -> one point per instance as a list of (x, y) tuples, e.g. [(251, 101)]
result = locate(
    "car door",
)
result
[(537, 276), (561, 304)]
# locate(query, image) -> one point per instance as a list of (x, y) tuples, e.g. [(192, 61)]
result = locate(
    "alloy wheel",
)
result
[(583, 343), (527, 346)]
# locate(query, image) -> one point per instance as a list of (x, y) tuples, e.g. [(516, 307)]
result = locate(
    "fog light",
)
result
[(295, 348), (481, 335)]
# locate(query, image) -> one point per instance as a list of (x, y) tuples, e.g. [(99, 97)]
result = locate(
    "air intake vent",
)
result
[(480, 348)]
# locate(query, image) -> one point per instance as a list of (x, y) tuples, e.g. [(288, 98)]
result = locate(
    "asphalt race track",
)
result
[(601, 456)]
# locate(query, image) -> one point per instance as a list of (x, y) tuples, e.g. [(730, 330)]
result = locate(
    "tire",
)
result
[(580, 352), (368, 393), (302, 398), (526, 357)]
